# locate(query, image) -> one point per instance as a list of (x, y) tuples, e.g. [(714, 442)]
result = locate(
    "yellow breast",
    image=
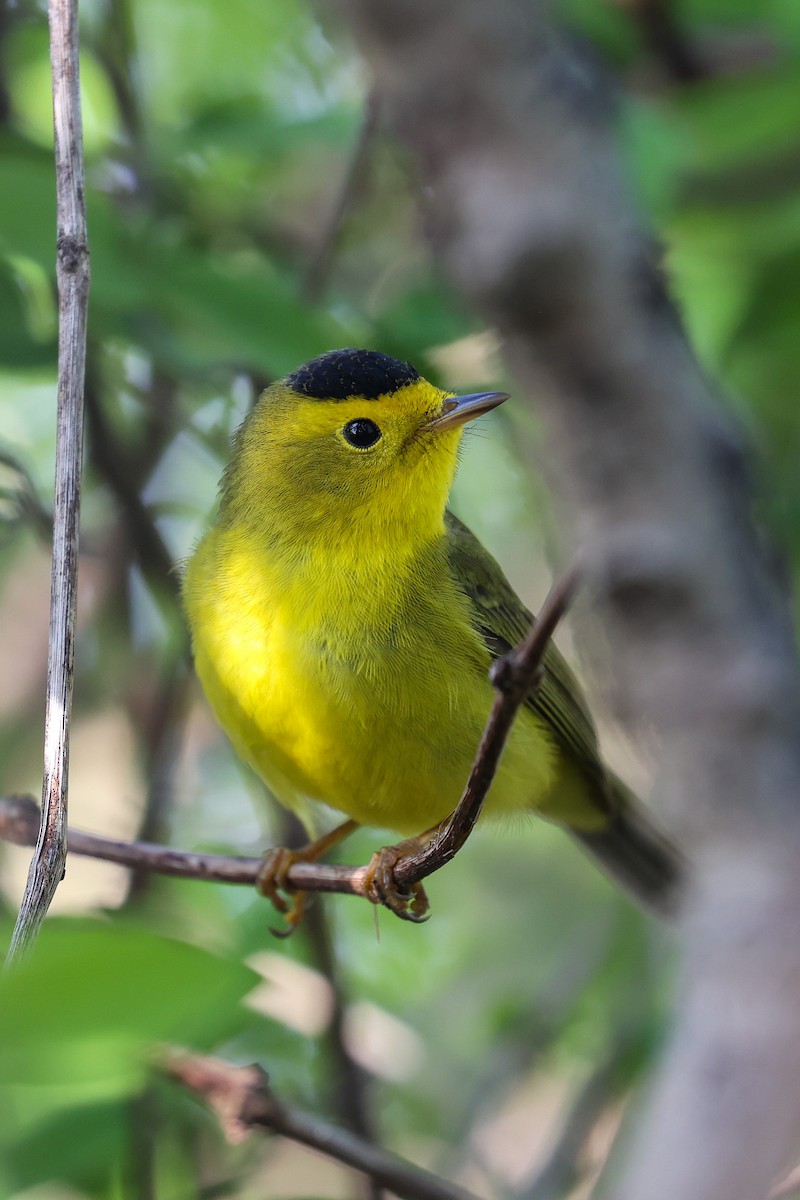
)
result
[(348, 691)]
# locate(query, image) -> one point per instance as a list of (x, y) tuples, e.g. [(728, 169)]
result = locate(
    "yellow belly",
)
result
[(382, 726)]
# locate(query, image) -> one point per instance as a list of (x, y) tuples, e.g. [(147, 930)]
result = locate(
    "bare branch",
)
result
[(511, 135), (72, 271), (564, 1167), (319, 268), (242, 1101), (661, 27), (19, 822), (349, 1086)]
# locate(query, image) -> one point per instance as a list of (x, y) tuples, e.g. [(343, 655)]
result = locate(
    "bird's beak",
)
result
[(458, 409)]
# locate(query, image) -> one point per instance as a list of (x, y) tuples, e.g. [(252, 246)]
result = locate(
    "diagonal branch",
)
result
[(319, 268), (514, 677), (243, 1102), (72, 270)]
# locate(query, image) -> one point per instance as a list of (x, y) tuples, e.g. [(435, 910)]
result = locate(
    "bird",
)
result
[(344, 622)]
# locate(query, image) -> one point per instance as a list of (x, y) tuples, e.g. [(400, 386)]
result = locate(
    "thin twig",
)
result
[(566, 1164), (242, 1101), (19, 821), (319, 268), (72, 271), (20, 499), (519, 1052), (348, 1086), (162, 730), (662, 30), (514, 677), (124, 474)]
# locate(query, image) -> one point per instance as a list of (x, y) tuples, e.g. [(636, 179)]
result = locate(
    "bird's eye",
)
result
[(361, 433)]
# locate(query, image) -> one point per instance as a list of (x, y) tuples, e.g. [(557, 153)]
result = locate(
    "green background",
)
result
[(219, 138)]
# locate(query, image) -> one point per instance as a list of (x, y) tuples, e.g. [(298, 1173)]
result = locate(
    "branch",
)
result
[(349, 1086), (72, 271), (661, 27), (162, 727), (513, 675), (514, 679), (20, 500), (530, 218), (19, 822), (124, 473), (242, 1101), (564, 1167), (319, 268)]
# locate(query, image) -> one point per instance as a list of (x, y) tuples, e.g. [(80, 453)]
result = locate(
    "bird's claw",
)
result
[(379, 885), (272, 881)]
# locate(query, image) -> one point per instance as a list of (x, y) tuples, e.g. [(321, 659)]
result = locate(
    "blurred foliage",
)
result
[(219, 139)]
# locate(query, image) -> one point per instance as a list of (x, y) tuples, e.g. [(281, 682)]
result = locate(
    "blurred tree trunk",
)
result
[(510, 131)]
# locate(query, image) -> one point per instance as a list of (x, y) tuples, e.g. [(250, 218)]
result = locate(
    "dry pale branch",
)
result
[(72, 271), (242, 1101), (510, 131)]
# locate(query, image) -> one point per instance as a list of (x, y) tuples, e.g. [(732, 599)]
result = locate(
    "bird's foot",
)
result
[(380, 887), (273, 881)]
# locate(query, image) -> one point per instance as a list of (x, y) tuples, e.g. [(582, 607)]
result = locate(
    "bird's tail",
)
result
[(636, 854)]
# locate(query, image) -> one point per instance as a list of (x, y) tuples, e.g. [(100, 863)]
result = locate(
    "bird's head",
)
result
[(352, 435)]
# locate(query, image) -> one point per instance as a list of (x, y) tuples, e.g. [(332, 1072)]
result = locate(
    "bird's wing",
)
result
[(503, 620)]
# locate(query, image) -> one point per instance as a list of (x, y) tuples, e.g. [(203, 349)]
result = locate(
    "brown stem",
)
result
[(242, 1101), (349, 1083), (661, 28), (514, 678), (319, 268), (564, 1167)]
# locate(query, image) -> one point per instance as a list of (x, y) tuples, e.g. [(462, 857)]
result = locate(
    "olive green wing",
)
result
[(502, 621), (630, 848)]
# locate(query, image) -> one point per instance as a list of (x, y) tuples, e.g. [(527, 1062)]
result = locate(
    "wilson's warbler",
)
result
[(344, 623)]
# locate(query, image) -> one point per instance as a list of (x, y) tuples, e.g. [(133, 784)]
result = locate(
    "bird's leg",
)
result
[(379, 884), (273, 874)]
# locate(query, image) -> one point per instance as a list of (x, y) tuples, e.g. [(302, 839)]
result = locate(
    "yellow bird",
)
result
[(344, 622)]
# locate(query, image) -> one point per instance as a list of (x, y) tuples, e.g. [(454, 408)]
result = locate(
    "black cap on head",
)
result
[(343, 373)]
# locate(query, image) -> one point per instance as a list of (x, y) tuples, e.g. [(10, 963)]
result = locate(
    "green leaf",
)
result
[(743, 119), (27, 201), (26, 327), (79, 1015), (118, 978), (231, 46), (193, 307), (74, 1145), (246, 124)]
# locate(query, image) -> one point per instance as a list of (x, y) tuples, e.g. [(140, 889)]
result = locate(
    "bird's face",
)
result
[(355, 435)]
